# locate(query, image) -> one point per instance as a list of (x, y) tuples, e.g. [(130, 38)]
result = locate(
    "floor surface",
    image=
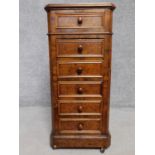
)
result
[(35, 127)]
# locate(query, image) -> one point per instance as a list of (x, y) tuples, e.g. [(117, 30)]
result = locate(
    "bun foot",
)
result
[(102, 150)]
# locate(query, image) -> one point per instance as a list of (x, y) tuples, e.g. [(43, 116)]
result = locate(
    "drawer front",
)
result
[(80, 47), (79, 125), (80, 68), (84, 107), (79, 21), (79, 88)]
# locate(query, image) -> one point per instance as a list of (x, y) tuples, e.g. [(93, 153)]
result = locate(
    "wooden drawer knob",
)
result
[(80, 49), (79, 71), (80, 126), (79, 20), (80, 90), (80, 108)]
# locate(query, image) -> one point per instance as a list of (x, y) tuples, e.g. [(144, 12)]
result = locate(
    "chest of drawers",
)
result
[(80, 38)]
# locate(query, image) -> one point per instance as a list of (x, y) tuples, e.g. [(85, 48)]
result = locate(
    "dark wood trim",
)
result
[(77, 6)]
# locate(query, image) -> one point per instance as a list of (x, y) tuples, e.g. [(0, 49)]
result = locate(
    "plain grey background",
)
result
[(34, 63)]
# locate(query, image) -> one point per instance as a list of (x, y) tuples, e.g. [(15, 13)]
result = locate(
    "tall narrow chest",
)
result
[(80, 41)]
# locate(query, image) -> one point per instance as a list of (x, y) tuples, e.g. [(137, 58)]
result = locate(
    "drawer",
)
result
[(88, 21), (79, 22), (80, 47), (80, 68), (83, 107), (79, 88), (79, 125)]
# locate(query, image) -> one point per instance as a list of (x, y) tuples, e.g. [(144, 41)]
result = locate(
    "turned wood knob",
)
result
[(80, 108), (80, 90), (80, 126), (79, 20), (79, 70), (80, 49)]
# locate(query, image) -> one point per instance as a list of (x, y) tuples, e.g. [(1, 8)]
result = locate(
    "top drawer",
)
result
[(80, 21)]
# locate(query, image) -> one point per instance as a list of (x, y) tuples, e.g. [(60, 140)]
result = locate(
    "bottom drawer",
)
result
[(80, 125)]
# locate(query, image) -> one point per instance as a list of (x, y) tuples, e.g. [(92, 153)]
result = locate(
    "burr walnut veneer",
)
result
[(80, 38)]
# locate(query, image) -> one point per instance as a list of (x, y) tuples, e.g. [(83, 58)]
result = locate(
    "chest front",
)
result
[(80, 39)]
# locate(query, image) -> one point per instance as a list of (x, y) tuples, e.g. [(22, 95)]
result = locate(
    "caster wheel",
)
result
[(54, 146), (102, 150)]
